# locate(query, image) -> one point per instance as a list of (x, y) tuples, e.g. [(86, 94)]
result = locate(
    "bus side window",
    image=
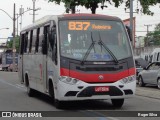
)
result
[(30, 42), (41, 36), (25, 42), (22, 43), (53, 43), (45, 39), (34, 40), (37, 40)]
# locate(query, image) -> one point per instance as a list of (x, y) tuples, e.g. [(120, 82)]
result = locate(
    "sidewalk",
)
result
[(10, 76)]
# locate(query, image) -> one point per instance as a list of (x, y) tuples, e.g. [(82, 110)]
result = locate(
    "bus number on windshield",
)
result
[(78, 25)]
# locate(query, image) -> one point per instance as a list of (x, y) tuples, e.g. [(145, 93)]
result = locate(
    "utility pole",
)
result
[(17, 23), (21, 11), (34, 10), (147, 33), (131, 21), (14, 50)]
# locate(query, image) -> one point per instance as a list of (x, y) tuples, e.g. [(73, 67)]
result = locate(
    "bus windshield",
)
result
[(93, 40)]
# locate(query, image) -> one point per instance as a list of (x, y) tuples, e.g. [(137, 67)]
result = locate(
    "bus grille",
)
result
[(99, 68)]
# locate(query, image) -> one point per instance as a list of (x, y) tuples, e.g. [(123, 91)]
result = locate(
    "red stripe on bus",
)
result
[(91, 77)]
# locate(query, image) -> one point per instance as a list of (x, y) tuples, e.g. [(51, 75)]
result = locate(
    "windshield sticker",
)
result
[(101, 56), (77, 55)]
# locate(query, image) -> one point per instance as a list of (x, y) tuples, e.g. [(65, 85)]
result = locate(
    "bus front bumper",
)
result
[(87, 91)]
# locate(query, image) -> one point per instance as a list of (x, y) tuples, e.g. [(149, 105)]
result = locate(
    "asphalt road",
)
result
[(13, 97)]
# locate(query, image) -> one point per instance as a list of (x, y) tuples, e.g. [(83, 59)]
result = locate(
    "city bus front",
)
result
[(96, 60)]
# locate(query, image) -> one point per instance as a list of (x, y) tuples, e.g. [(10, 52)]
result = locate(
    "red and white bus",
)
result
[(78, 57)]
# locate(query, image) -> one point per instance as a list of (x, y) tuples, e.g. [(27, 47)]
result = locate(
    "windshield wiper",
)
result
[(88, 51), (100, 42)]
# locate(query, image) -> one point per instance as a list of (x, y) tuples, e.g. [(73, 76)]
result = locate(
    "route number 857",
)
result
[(78, 25)]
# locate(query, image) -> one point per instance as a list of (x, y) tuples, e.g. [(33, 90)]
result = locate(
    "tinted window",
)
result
[(37, 40), (30, 41)]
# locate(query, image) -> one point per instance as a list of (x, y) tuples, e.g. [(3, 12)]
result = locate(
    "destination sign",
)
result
[(74, 25)]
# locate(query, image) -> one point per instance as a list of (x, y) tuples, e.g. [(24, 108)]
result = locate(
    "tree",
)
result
[(93, 4), (69, 4), (154, 36), (10, 43)]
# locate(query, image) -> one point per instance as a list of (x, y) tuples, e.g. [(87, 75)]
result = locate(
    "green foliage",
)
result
[(93, 4), (145, 5), (155, 35), (10, 43)]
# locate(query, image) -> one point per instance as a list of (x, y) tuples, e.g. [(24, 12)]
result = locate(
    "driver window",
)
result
[(154, 66)]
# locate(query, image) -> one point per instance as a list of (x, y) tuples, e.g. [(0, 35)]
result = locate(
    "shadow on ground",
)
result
[(78, 105)]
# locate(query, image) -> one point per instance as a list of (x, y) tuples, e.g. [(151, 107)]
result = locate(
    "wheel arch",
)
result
[(158, 78), (51, 90), (139, 76)]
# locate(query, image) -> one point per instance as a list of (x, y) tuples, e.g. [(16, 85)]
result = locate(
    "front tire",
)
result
[(58, 104), (30, 91), (140, 81), (118, 103)]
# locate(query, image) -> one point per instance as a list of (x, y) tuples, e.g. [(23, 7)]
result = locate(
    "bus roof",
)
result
[(48, 18), (90, 16)]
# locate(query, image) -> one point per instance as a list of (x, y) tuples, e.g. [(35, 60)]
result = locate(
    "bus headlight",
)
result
[(68, 80), (128, 79)]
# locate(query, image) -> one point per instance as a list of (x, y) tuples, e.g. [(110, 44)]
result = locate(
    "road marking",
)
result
[(19, 85), (22, 88), (112, 118)]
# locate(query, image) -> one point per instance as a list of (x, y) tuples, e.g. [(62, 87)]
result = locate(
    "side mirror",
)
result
[(129, 32)]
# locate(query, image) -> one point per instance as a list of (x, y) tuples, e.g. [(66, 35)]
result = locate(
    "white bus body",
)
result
[(79, 73)]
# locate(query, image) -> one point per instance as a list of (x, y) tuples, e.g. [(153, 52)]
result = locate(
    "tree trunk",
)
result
[(73, 10), (94, 6), (93, 10)]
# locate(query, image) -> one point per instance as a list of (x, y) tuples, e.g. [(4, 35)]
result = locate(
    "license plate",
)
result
[(102, 89)]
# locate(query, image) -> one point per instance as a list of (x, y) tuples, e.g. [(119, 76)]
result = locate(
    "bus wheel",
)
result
[(57, 103), (117, 102), (30, 91)]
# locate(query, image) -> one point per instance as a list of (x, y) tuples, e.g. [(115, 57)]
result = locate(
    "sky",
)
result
[(54, 9)]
